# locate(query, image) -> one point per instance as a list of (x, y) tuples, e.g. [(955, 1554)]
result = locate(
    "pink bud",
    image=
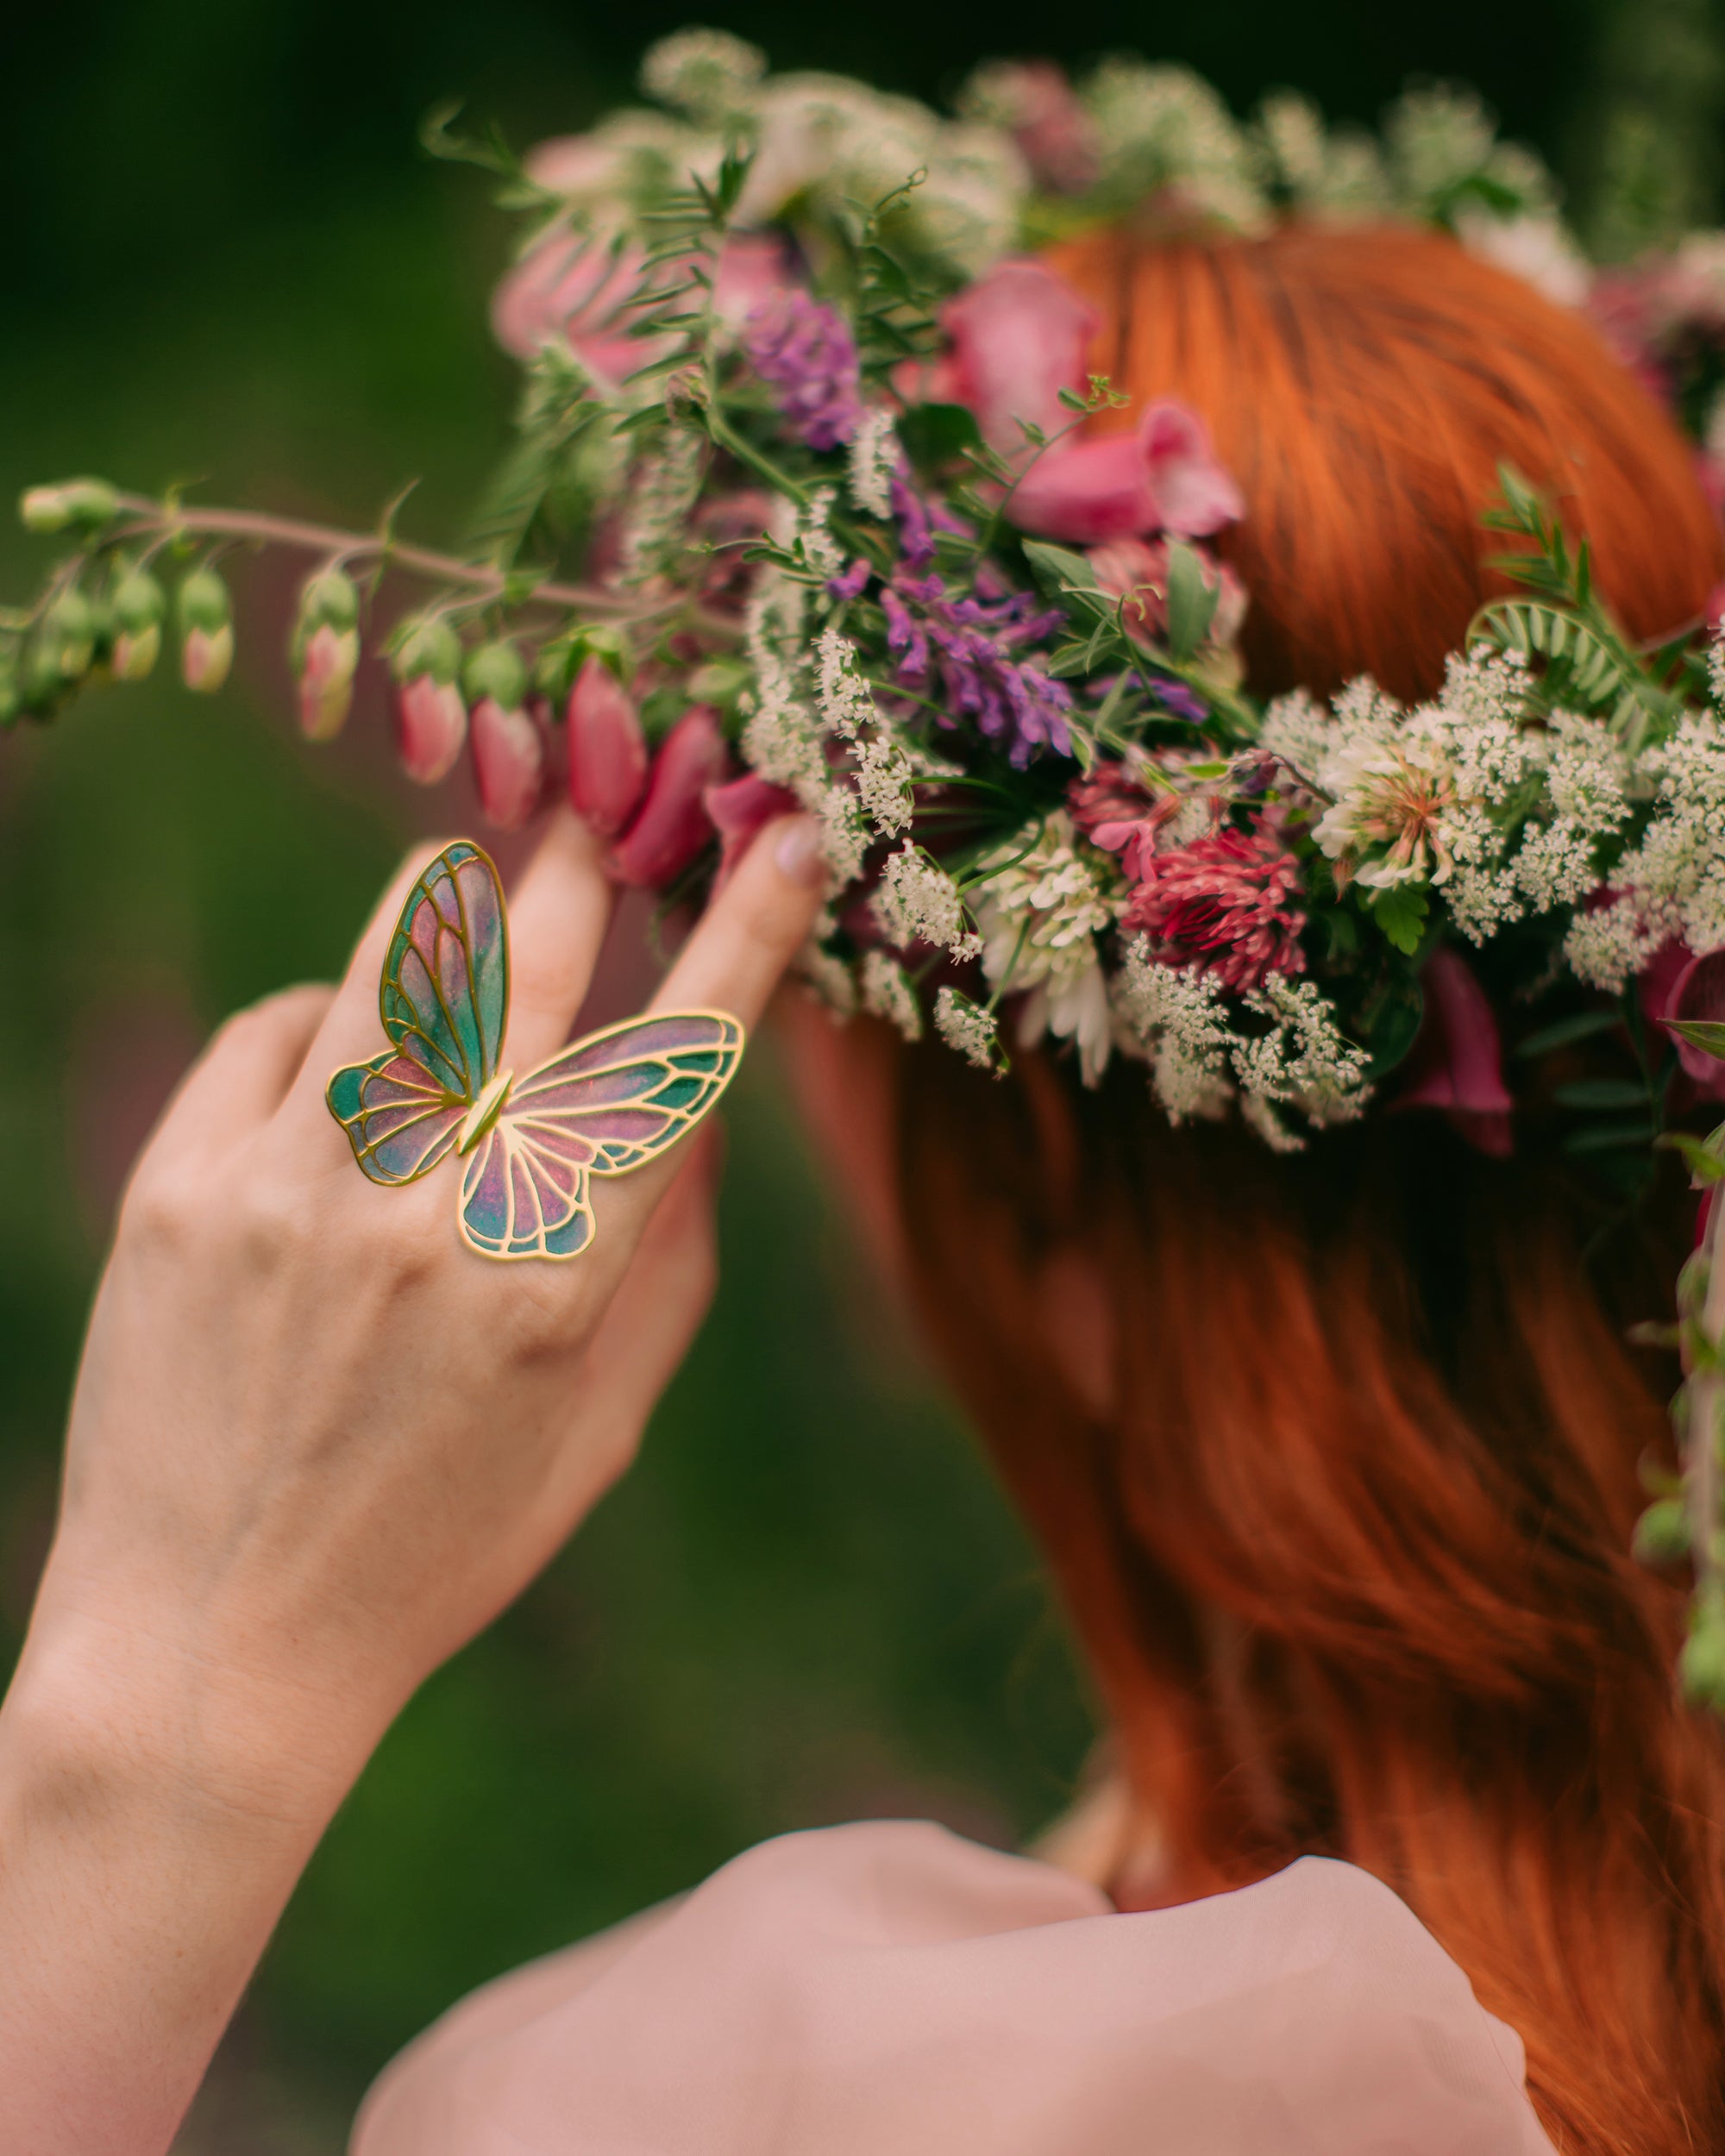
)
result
[(672, 825), (1457, 1062), (326, 680), (431, 726), (1698, 995), (508, 763), (739, 810), (607, 750)]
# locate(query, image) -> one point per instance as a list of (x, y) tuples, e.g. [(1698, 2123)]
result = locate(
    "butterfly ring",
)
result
[(608, 1104)]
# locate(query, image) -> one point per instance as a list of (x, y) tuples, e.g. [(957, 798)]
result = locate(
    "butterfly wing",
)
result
[(443, 1000), (521, 1198), (399, 1120), (444, 997), (604, 1107)]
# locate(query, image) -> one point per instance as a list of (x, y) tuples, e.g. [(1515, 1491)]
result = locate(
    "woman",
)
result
[(1334, 1459)]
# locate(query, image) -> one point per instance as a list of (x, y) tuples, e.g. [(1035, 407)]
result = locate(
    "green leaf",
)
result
[(1192, 601), (1400, 913), (1706, 1034), (1705, 1157), (1602, 1093), (1605, 1137), (1058, 567), (1565, 1031), (1393, 1028), (934, 434)]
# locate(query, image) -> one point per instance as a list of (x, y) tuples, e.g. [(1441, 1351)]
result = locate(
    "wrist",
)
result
[(146, 1695)]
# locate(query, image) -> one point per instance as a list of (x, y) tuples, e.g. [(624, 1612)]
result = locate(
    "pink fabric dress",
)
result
[(893, 1990)]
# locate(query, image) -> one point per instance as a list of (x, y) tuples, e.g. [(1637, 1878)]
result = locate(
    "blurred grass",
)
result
[(807, 1602)]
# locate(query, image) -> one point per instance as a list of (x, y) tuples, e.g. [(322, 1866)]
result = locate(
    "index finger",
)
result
[(754, 927), (352, 1028)]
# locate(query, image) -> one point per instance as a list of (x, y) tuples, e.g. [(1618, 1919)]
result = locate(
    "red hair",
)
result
[(1349, 1557)]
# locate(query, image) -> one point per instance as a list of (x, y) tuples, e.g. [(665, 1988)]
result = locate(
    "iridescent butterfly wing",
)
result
[(443, 1000), (604, 1107)]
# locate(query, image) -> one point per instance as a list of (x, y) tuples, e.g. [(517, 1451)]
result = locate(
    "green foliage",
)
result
[(1401, 913), (1577, 656), (1192, 602)]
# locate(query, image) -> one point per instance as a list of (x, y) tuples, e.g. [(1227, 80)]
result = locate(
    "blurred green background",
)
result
[(226, 263)]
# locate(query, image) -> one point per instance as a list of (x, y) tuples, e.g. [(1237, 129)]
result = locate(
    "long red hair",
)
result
[(1349, 1556)]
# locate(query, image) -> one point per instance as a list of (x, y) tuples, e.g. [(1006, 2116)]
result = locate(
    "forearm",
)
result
[(150, 1833)]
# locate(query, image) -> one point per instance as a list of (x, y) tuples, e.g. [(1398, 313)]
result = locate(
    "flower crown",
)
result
[(808, 426)]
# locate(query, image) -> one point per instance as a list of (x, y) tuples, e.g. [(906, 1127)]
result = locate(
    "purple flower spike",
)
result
[(803, 349)]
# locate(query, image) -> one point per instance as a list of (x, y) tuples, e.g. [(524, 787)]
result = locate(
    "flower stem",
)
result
[(158, 518)]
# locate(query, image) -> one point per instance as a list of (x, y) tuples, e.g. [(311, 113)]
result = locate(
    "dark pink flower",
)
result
[(739, 810), (431, 726), (607, 750), (1122, 816), (509, 763), (1691, 989), (1457, 1060), (1230, 903), (1164, 476), (1018, 335), (673, 825)]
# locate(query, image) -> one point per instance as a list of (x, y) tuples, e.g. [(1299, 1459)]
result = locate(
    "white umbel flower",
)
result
[(887, 993), (968, 1028), (918, 902)]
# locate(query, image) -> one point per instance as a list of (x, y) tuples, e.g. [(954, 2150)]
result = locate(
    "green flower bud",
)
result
[(1701, 1667), (203, 602), (1662, 1532), (42, 684), (139, 602), (69, 632), (495, 670), (89, 502), (426, 644), (139, 606), (330, 599)]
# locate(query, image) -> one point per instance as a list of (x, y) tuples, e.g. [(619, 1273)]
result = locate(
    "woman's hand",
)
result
[(316, 1444)]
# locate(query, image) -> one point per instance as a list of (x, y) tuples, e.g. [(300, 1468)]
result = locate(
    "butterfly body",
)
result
[(528, 1147)]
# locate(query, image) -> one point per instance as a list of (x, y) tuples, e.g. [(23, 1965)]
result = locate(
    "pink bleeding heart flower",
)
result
[(672, 826), (739, 811), (607, 750), (1457, 1061), (1164, 476), (1019, 337), (1696, 995), (431, 726), (509, 763)]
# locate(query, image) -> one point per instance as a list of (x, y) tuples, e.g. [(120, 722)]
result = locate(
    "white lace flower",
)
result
[(887, 992), (968, 1028), (1305, 1059), (874, 459), (918, 902), (1182, 1018)]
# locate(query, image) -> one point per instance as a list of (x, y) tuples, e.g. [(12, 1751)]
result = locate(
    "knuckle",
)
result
[(158, 1209)]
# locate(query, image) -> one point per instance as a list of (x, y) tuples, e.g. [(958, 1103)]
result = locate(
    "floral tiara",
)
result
[(803, 513)]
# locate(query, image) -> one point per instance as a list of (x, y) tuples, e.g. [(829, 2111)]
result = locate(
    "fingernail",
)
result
[(797, 853)]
